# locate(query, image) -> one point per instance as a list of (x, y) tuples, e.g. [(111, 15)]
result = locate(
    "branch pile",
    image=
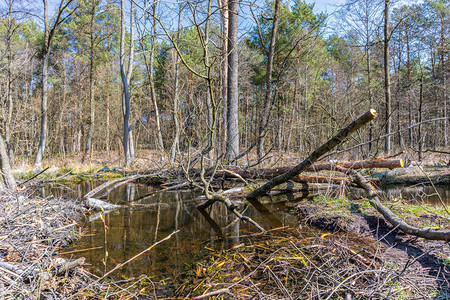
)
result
[(32, 230), (289, 264)]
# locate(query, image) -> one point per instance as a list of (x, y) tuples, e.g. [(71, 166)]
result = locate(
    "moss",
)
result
[(110, 175)]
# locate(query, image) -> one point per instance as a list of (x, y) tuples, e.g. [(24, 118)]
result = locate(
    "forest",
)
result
[(84, 76), (203, 149)]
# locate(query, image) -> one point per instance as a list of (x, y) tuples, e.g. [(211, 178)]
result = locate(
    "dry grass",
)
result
[(287, 264)]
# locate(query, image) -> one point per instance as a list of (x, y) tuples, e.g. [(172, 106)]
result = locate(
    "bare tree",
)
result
[(49, 32), (126, 80), (88, 148), (268, 96), (387, 79), (232, 88), (176, 91), (223, 4), (152, 83)]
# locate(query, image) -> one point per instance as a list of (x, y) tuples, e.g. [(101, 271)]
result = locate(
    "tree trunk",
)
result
[(176, 138), (420, 138), (408, 67), (224, 70), (268, 96), (48, 35), (210, 101), (9, 79), (426, 233), (88, 148), (129, 72), (369, 80), (125, 96), (108, 100), (387, 80), (232, 87), (46, 52), (7, 175), (321, 166), (291, 121), (152, 84), (444, 78)]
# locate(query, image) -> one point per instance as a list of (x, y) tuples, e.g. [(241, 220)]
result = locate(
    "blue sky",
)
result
[(327, 6)]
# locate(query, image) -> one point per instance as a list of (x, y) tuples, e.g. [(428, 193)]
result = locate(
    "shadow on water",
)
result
[(124, 233)]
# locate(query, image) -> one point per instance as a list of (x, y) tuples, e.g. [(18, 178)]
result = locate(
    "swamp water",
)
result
[(128, 231), (121, 234)]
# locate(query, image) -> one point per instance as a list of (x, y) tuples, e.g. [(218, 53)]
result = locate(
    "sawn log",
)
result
[(321, 166)]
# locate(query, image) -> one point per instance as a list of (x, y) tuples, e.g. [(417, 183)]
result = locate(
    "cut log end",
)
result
[(373, 112)]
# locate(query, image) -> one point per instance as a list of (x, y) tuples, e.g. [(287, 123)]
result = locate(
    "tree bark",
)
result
[(330, 144), (369, 77), (46, 53), (321, 166), (442, 52), (152, 84), (176, 138), (387, 80), (224, 70), (232, 87), (88, 148), (125, 96), (7, 175), (129, 73), (268, 96)]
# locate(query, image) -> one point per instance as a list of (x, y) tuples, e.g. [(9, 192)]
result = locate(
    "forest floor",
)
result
[(358, 256)]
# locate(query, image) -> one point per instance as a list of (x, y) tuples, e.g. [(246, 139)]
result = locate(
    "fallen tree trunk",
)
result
[(322, 166), (313, 157), (100, 204), (426, 233)]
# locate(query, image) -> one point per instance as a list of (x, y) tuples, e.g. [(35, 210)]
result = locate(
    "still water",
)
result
[(121, 234)]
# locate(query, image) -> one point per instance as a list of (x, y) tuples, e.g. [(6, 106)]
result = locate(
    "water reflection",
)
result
[(124, 233), (420, 193)]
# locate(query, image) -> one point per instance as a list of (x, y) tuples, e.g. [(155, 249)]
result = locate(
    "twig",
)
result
[(62, 176), (34, 176), (214, 293), (436, 191), (235, 175)]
